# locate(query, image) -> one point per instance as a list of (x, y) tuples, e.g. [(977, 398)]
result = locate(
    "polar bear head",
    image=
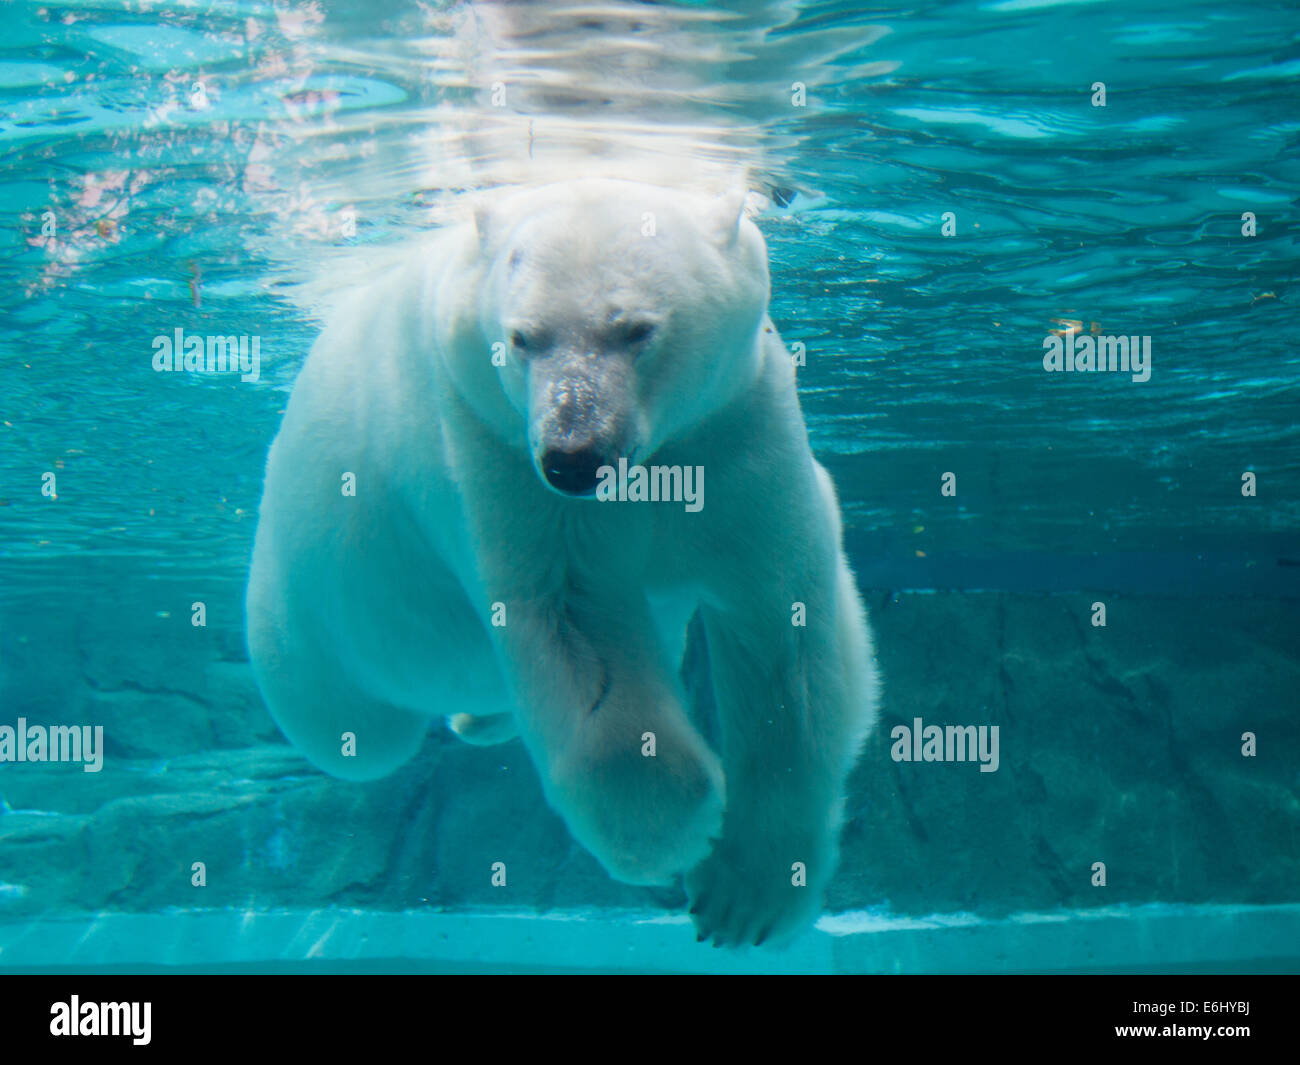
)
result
[(622, 315)]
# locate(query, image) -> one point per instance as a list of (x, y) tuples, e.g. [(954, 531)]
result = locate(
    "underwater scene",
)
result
[(949, 353)]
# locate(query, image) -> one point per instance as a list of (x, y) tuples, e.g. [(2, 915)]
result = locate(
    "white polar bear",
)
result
[(471, 396)]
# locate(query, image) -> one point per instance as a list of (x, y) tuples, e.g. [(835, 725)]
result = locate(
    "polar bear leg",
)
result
[(602, 716), (339, 728), (795, 704)]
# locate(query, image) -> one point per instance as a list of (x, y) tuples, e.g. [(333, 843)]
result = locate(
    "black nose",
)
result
[(572, 472)]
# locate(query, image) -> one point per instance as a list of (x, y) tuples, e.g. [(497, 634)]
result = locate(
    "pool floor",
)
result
[(1142, 939)]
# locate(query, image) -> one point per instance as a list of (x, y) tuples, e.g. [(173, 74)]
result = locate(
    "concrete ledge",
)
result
[(1155, 938)]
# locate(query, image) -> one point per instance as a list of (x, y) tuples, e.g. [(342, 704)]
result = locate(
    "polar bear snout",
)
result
[(579, 418), (572, 472)]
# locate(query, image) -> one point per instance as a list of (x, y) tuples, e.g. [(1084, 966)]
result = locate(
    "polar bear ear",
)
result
[(723, 217)]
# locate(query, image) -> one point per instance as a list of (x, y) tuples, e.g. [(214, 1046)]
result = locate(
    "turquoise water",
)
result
[(203, 166)]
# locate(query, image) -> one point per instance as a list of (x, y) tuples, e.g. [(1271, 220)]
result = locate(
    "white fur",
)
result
[(372, 614)]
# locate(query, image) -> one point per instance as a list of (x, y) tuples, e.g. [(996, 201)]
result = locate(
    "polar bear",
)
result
[(432, 542)]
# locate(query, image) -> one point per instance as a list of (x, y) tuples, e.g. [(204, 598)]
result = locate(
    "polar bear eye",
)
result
[(517, 340), (638, 332)]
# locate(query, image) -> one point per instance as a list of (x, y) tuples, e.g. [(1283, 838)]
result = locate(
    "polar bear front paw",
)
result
[(747, 893), (645, 819)]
